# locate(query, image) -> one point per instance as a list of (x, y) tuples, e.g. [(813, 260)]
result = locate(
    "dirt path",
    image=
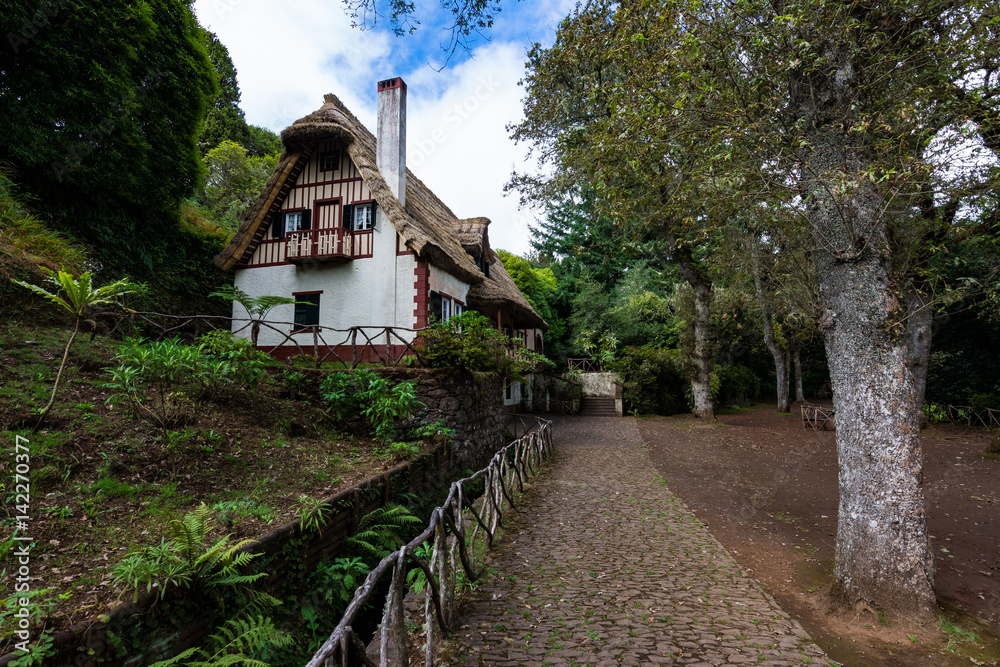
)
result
[(767, 489), (604, 565)]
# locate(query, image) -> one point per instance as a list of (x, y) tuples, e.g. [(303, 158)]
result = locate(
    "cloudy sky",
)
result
[(289, 54)]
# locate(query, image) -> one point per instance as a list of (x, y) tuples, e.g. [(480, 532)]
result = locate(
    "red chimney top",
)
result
[(396, 82)]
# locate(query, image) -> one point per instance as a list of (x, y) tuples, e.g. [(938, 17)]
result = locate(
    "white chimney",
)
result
[(390, 150)]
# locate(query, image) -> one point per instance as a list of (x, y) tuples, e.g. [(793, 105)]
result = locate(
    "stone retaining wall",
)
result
[(471, 405)]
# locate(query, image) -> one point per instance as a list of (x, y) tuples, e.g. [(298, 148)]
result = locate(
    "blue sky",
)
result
[(289, 54)]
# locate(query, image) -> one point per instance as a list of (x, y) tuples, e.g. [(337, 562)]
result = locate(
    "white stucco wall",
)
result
[(382, 280), (347, 296), (445, 283), (405, 291), (516, 391), (598, 384)]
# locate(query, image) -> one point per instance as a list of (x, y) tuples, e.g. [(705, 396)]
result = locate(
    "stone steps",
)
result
[(598, 406)]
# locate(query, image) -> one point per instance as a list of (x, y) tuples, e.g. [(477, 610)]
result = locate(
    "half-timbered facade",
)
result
[(344, 228)]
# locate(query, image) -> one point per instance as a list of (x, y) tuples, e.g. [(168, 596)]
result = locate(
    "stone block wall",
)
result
[(470, 404)]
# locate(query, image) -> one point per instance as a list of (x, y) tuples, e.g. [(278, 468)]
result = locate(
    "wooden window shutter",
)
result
[(306, 219), (348, 218), (374, 212), (435, 306), (277, 225), (306, 310)]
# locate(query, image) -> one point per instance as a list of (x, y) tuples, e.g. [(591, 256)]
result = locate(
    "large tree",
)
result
[(823, 105), (101, 104), (234, 180), (662, 192), (856, 79), (224, 120)]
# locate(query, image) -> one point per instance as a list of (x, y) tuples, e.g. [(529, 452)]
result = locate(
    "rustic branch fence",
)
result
[(963, 414), (374, 344), (519, 426), (453, 547), (584, 365), (816, 416), (383, 345)]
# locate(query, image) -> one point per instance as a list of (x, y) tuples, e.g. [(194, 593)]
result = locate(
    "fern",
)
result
[(380, 531), (190, 559), (231, 643), (217, 564), (187, 559)]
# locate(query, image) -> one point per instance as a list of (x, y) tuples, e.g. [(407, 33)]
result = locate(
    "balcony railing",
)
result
[(319, 244)]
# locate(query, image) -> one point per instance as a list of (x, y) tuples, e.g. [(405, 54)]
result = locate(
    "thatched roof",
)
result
[(474, 236), (425, 224), (499, 290)]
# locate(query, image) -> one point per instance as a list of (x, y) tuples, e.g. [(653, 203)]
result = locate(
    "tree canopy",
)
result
[(844, 121), (101, 105)]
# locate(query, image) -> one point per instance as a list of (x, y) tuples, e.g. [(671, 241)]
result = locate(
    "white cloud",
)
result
[(288, 55), (458, 144)]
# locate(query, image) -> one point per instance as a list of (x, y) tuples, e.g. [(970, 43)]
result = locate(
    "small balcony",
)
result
[(321, 245)]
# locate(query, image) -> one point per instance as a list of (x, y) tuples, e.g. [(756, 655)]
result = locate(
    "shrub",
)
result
[(245, 362), (156, 379), (651, 380), (363, 393), (737, 384), (159, 379), (984, 401), (471, 341)]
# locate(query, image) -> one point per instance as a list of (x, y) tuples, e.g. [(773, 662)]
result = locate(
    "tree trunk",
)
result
[(254, 332), (800, 396), (701, 380), (777, 351), (701, 385), (919, 320), (781, 375), (55, 385), (883, 556)]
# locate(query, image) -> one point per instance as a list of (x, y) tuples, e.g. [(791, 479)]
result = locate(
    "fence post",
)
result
[(354, 347), (315, 331), (392, 645)]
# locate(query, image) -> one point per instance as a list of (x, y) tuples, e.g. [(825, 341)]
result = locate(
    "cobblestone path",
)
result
[(603, 565)]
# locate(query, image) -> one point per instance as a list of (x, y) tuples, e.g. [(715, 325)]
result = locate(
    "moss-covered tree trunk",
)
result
[(883, 555), (778, 352), (702, 355), (800, 396)]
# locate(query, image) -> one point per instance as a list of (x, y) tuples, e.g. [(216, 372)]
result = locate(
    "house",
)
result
[(359, 241)]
